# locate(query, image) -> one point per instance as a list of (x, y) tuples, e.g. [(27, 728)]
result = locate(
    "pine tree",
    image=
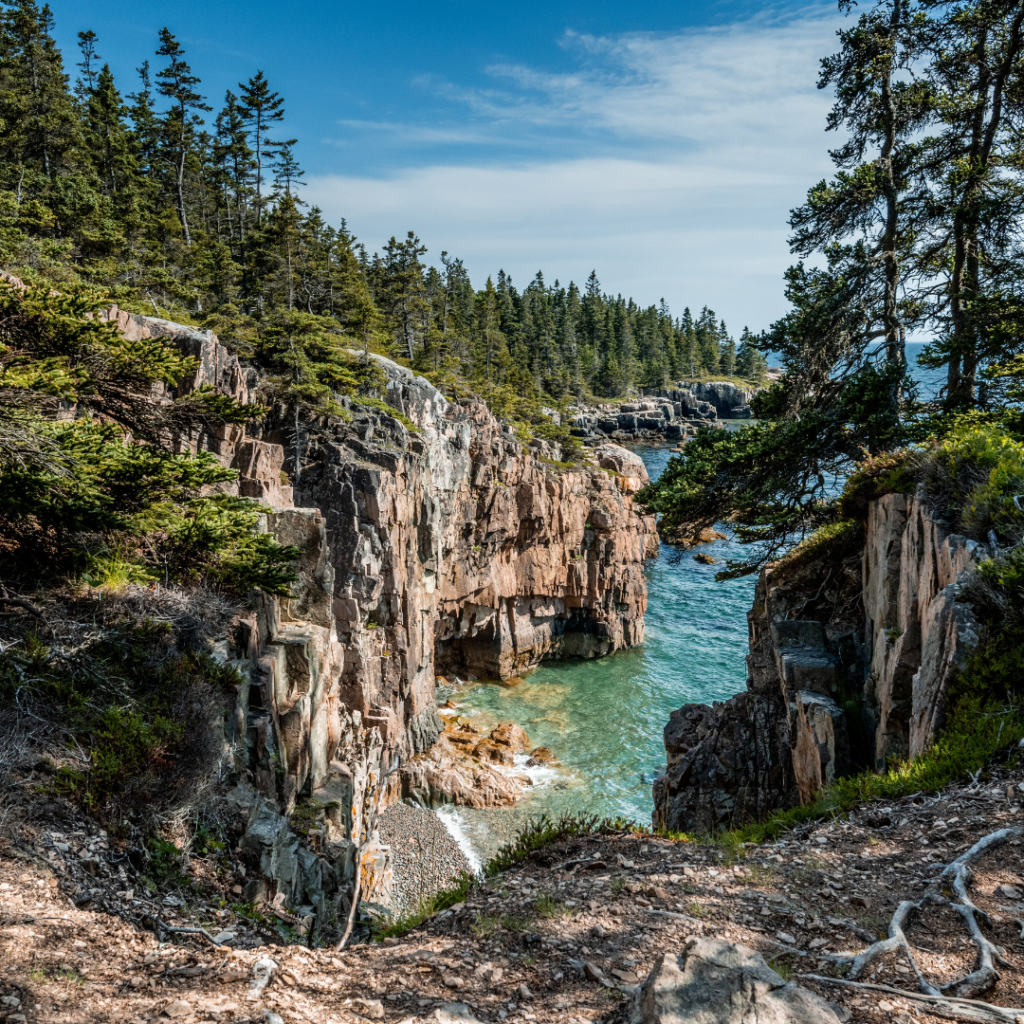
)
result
[(111, 142), (236, 162), (260, 109), (88, 65), (145, 123), (400, 288), (40, 128), (974, 203), (181, 123)]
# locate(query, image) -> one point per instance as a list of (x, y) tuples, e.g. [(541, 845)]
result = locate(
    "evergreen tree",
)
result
[(88, 65), (260, 109), (181, 123), (111, 142), (400, 288)]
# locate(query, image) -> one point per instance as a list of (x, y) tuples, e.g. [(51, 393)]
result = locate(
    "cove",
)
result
[(603, 718)]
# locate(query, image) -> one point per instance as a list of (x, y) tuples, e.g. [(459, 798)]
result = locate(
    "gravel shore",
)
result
[(424, 855)]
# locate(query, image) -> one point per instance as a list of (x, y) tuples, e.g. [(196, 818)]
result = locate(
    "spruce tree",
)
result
[(261, 109), (181, 123)]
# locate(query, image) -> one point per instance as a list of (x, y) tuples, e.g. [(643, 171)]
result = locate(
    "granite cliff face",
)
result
[(850, 659), (431, 540), (457, 548)]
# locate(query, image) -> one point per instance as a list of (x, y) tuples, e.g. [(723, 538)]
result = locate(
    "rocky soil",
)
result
[(565, 937)]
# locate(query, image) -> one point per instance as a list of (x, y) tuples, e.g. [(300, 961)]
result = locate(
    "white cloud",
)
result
[(669, 164)]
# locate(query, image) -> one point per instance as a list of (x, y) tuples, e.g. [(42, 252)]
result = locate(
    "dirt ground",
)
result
[(549, 941)]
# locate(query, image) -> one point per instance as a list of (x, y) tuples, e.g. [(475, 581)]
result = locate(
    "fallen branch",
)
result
[(943, 1006), (351, 912), (187, 931), (580, 860), (19, 602), (862, 933)]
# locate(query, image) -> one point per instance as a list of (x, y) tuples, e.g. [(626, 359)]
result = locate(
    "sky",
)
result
[(659, 144)]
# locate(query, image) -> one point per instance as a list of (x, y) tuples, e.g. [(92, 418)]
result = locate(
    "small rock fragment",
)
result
[(455, 1013), (261, 972), (372, 1009)]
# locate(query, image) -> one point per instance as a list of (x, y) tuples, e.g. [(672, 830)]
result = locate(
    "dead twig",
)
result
[(19, 602)]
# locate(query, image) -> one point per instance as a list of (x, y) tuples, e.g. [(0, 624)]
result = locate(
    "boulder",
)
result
[(511, 736), (717, 982)]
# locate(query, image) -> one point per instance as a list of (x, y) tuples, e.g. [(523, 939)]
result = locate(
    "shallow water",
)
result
[(604, 718)]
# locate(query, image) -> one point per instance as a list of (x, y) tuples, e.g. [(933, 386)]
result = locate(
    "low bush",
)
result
[(427, 908), (138, 702)]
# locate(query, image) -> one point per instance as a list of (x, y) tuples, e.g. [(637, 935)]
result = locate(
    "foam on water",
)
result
[(452, 819)]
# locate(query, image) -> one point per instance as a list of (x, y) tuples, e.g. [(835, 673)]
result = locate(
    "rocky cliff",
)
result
[(851, 654), (457, 547), (662, 414), (432, 539)]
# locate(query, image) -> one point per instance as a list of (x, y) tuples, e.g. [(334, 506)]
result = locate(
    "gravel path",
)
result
[(424, 855)]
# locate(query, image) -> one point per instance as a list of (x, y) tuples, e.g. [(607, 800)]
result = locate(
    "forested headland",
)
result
[(189, 207)]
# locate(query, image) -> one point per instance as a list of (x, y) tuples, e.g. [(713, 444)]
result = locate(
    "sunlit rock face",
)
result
[(833, 685), (458, 548)]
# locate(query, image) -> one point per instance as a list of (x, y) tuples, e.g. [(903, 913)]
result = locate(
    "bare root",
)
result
[(897, 940), (958, 875)]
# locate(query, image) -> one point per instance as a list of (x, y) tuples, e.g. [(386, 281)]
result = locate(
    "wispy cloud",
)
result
[(668, 162)]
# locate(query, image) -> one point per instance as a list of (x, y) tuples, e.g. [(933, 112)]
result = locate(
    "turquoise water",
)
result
[(604, 718)]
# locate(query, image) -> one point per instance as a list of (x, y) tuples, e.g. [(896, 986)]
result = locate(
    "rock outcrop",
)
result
[(828, 694), (713, 981), (430, 539), (730, 400), (455, 547), (662, 414), (919, 628)]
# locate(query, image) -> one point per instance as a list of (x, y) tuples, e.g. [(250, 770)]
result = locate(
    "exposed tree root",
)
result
[(942, 1006), (957, 875), (896, 940)]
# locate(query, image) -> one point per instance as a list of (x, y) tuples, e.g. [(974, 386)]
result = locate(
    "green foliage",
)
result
[(164, 866), (977, 470), (119, 512), (428, 908), (541, 832), (143, 711), (547, 906), (832, 542), (755, 478)]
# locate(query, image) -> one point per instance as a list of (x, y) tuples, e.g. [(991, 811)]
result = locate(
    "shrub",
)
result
[(145, 712)]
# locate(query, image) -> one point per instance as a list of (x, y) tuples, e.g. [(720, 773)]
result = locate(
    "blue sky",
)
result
[(660, 144)]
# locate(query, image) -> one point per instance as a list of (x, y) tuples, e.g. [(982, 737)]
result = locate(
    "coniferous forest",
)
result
[(189, 207)]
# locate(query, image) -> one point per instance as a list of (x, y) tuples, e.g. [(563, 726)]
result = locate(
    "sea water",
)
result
[(604, 718)]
